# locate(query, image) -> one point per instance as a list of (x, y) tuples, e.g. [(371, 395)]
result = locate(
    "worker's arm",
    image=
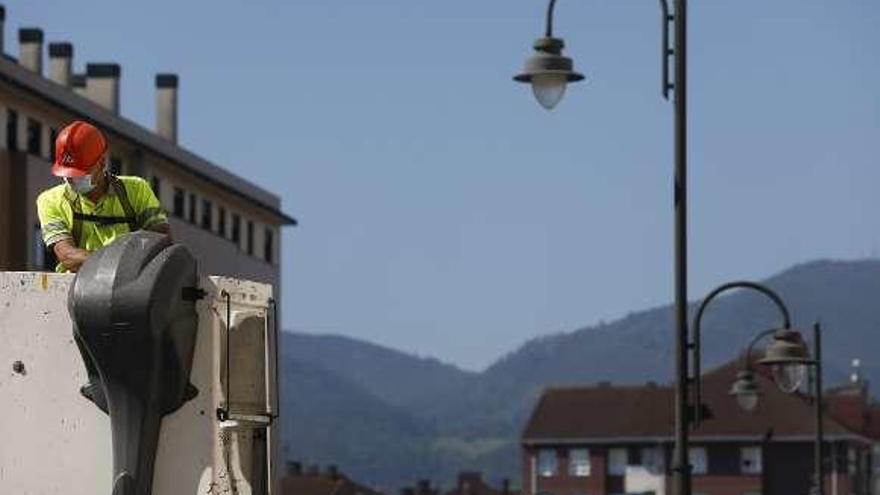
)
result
[(69, 255)]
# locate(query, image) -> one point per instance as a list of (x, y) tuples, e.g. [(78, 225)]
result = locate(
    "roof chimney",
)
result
[(102, 85), (30, 43), (60, 61), (166, 106)]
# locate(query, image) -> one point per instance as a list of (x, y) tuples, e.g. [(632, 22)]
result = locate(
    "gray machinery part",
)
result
[(133, 310)]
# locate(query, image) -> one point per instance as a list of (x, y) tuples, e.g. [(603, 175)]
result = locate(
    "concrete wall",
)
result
[(55, 441)]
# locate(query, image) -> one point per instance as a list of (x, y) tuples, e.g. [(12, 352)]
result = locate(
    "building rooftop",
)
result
[(633, 414), (13, 73)]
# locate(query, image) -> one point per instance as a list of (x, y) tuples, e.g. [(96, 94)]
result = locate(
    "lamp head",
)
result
[(745, 390), (548, 71), (788, 358)]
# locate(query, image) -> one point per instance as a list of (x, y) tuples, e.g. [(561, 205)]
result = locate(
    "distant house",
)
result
[(618, 440), (468, 483), (851, 406), (314, 482), (471, 483)]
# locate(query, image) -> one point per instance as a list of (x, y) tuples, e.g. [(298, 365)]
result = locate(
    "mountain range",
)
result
[(388, 419)]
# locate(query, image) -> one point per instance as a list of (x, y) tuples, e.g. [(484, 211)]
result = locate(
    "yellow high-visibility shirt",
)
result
[(55, 207)]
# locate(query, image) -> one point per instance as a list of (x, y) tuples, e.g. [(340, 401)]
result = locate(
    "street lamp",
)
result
[(548, 71), (745, 390), (787, 356)]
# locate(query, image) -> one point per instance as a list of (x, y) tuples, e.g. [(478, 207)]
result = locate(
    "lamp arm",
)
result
[(550, 7), (696, 344)]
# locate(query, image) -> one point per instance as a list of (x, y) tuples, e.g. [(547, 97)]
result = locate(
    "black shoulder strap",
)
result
[(119, 190), (76, 230)]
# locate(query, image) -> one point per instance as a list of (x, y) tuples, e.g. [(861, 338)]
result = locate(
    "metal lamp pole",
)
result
[(817, 454), (548, 71), (683, 468)]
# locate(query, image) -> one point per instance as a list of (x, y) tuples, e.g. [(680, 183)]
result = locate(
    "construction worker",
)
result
[(89, 210), (92, 207)]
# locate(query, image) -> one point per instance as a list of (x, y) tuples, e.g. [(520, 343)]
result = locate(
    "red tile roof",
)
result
[(605, 413)]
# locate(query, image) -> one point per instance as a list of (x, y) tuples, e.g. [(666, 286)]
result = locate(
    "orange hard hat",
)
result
[(77, 149)]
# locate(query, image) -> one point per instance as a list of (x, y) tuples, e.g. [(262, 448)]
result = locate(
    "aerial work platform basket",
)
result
[(188, 374)]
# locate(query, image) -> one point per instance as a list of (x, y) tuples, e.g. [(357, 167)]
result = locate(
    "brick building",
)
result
[(618, 440), (231, 225), (851, 405)]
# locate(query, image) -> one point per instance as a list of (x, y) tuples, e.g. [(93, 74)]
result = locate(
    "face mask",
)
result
[(82, 185)]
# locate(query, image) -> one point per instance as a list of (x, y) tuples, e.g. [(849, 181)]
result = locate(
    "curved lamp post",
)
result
[(787, 355), (548, 72)]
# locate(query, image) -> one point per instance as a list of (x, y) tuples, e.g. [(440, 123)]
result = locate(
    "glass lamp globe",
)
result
[(747, 401), (549, 88), (788, 376), (745, 390)]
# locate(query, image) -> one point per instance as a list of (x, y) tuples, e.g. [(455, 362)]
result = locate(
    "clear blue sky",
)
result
[(444, 212)]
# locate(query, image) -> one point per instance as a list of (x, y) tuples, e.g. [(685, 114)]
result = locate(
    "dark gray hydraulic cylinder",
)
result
[(129, 309)]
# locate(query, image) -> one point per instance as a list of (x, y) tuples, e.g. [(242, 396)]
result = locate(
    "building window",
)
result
[(852, 461), (221, 221), (250, 238), (156, 184), (53, 135), (179, 200), (34, 137), (207, 215), (698, 460), (269, 246), (750, 460), (652, 459), (236, 229), (579, 462), (11, 130), (546, 462), (192, 208), (115, 165), (617, 461)]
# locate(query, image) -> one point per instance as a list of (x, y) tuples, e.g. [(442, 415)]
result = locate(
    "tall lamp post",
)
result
[(548, 71), (787, 356)]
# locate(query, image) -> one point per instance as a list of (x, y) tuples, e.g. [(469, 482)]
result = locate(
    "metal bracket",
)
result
[(665, 51), (224, 414)]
